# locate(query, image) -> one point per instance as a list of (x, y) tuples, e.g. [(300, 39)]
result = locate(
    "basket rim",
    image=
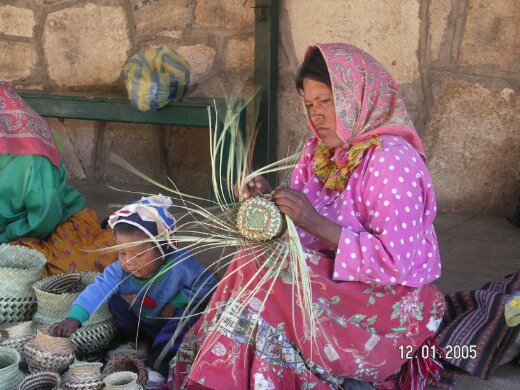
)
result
[(12, 352), (40, 283), (42, 260)]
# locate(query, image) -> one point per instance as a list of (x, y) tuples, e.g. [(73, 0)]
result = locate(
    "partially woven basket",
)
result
[(259, 219), (10, 374), (15, 336), (40, 381), (95, 333), (20, 267), (48, 353), (129, 363), (122, 380)]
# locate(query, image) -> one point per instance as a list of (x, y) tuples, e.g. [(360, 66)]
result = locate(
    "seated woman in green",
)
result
[(37, 206)]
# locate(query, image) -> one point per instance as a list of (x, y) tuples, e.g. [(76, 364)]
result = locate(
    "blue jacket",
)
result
[(179, 280)]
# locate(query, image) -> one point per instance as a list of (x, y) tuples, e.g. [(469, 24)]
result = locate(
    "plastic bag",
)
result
[(156, 77)]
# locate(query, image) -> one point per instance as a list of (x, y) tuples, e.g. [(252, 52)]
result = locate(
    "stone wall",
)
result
[(458, 66), (82, 45), (457, 63)]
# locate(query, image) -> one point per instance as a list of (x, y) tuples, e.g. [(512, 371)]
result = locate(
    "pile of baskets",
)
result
[(20, 268), (15, 335), (55, 296)]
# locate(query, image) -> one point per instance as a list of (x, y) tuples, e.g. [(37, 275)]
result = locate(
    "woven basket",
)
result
[(15, 335), (48, 342), (95, 333), (48, 353), (16, 309), (127, 363), (85, 371), (90, 385), (40, 381), (122, 380), (85, 376), (259, 219), (55, 307), (10, 374), (17, 329), (20, 267)]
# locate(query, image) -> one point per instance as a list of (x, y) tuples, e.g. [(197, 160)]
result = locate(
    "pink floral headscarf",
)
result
[(22, 130), (366, 98)]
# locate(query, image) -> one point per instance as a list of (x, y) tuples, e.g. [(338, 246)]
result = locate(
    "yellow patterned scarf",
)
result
[(335, 175)]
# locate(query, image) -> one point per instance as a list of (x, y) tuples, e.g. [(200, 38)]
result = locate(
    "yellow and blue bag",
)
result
[(156, 77)]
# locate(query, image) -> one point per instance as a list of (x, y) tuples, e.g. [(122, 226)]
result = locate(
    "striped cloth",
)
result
[(477, 318), (156, 77)]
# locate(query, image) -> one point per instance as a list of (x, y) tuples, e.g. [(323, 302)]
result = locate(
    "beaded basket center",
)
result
[(259, 219)]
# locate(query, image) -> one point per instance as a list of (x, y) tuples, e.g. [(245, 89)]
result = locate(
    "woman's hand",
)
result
[(299, 209), (64, 328), (258, 183), (296, 206)]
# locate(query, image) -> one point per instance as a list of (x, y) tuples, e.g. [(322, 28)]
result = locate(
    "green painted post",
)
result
[(266, 76)]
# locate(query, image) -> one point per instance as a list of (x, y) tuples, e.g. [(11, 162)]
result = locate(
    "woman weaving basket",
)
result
[(363, 202)]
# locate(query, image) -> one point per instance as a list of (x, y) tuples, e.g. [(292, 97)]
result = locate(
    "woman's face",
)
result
[(319, 103)]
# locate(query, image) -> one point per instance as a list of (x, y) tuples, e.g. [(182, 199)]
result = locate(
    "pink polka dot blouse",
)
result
[(386, 213)]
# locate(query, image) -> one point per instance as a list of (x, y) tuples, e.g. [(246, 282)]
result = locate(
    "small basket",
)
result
[(40, 381), (48, 342), (85, 376), (10, 374), (84, 372), (48, 353), (129, 363), (122, 380), (259, 219)]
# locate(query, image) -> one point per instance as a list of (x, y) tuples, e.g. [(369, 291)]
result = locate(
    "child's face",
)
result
[(141, 259)]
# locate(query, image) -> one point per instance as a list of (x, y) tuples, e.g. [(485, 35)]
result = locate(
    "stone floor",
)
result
[(474, 250)]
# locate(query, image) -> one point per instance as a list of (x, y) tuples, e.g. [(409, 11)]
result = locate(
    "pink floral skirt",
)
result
[(363, 331)]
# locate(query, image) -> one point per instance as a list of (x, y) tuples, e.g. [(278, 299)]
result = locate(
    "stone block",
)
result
[(16, 21), (239, 55), (439, 14), (86, 46), (227, 15), (17, 61), (292, 119), (473, 146), (79, 142), (163, 17), (393, 39), (201, 59), (491, 34), (188, 160), (73, 151), (136, 143)]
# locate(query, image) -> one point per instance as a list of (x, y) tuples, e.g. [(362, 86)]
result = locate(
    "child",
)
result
[(152, 279)]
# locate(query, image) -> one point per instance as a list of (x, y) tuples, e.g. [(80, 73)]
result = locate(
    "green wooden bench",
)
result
[(189, 113)]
